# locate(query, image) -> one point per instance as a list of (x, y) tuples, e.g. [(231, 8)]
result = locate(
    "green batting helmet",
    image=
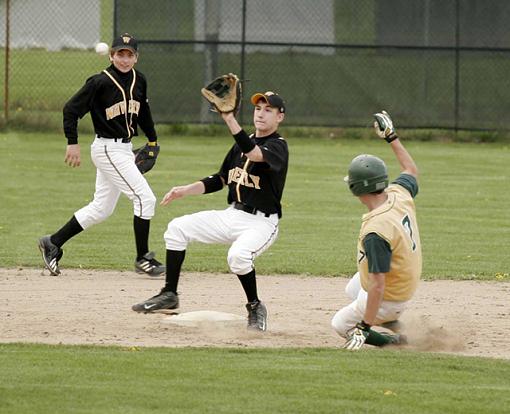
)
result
[(367, 174)]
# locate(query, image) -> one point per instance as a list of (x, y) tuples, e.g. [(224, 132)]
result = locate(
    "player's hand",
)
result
[(73, 158), (174, 194), (383, 125), (357, 336)]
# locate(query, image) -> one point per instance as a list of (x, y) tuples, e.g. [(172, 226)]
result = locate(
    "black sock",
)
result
[(68, 230), (249, 282), (377, 338), (141, 227), (174, 259)]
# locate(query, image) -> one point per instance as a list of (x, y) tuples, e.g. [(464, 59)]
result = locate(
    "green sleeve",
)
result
[(378, 253), (408, 182)]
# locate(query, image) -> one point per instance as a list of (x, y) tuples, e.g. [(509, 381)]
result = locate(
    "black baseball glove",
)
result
[(224, 93), (145, 157)]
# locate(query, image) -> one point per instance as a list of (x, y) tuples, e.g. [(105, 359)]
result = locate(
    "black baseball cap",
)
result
[(271, 98), (126, 41)]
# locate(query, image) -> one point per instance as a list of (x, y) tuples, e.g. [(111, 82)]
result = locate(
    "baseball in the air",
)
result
[(102, 48)]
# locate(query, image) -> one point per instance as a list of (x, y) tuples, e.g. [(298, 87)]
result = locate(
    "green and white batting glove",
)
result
[(384, 126), (357, 337)]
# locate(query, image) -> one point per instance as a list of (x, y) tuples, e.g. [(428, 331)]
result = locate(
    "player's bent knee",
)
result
[(150, 199), (175, 238), (145, 208), (90, 215), (340, 325), (239, 263)]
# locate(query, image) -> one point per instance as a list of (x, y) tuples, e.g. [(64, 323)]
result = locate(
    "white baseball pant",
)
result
[(250, 234), (346, 318), (116, 174)]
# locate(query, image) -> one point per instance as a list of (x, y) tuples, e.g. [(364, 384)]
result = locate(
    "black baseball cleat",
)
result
[(257, 316), (51, 254), (163, 300), (148, 265)]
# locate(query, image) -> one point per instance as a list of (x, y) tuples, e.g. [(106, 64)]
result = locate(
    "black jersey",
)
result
[(258, 184), (106, 96)]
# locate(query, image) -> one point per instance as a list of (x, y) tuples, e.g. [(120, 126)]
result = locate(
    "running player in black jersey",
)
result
[(254, 170), (117, 101)]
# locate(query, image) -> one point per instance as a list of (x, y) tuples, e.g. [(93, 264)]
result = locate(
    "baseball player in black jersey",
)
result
[(254, 170), (117, 101)]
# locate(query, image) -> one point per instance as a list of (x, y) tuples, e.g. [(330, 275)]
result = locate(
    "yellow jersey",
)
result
[(395, 222)]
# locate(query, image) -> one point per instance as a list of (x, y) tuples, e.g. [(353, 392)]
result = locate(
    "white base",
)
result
[(199, 318)]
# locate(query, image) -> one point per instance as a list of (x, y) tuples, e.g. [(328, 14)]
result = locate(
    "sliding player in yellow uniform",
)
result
[(389, 250)]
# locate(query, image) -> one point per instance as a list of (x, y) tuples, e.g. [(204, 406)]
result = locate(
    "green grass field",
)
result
[(462, 205), (462, 212), (463, 217), (47, 379)]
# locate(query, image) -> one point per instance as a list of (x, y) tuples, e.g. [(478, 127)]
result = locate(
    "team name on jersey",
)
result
[(120, 109), (238, 175)]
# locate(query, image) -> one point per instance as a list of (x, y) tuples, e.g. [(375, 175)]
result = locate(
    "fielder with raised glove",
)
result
[(389, 258), (254, 171), (145, 157), (224, 93)]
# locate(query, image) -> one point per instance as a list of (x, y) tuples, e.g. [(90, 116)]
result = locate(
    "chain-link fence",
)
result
[(47, 53), (431, 63)]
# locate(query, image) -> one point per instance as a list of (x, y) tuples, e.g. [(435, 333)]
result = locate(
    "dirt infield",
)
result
[(94, 307)]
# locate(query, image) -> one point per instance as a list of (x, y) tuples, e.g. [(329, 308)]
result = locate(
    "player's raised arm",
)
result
[(384, 128), (251, 150)]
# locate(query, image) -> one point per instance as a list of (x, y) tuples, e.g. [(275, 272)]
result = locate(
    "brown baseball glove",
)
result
[(145, 157), (224, 93)]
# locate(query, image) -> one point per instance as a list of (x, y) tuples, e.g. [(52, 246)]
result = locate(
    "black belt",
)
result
[(123, 140), (248, 209)]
